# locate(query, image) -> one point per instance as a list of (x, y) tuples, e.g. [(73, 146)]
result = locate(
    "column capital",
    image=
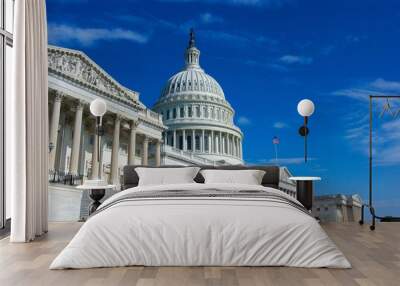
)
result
[(80, 104), (146, 138), (118, 117), (134, 124), (59, 95)]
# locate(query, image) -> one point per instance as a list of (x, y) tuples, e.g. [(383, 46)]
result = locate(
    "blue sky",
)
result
[(267, 55)]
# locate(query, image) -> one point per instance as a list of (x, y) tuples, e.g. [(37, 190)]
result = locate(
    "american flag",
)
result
[(275, 140)]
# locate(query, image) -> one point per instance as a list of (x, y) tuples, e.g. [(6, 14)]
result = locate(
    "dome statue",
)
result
[(197, 114)]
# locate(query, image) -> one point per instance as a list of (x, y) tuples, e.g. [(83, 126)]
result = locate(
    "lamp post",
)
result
[(305, 108), (98, 108), (97, 187)]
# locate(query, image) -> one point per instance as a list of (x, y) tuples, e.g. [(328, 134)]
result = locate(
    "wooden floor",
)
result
[(375, 257)]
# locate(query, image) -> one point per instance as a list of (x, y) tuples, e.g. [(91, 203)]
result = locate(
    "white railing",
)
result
[(151, 115), (187, 154)]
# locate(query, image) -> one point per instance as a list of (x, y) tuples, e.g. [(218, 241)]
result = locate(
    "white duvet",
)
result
[(202, 231)]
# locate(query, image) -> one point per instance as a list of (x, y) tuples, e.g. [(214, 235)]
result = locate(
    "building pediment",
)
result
[(78, 67)]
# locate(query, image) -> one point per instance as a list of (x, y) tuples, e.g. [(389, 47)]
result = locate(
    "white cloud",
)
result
[(208, 18), (243, 120), (386, 129), (59, 34), (386, 85), (280, 125), (292, 59)]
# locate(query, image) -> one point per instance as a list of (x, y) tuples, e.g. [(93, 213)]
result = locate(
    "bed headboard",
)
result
[(270, 179)]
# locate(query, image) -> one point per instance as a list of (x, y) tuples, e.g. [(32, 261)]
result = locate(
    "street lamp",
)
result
[(305, 108), (98, 108)]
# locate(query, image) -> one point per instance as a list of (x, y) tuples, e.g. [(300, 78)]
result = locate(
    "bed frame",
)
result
[(270, 179)]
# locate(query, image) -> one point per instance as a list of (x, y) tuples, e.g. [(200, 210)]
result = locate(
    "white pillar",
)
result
[(193, 140), (132, 143), (228, 143), (209, 142), (236, 147), (158, 153), (220, 143), (211, 147), (203, 141), (216, 144), (115, 152), (224, 143), (145, 153), (55, 121), (76, 141), (174, 143), (240, 149), (184, 140)]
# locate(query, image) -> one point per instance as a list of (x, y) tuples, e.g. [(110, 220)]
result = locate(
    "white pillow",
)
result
[(248, 177), (166, 176)]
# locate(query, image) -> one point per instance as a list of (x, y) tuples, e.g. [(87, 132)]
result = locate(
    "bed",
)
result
[(201, 224)]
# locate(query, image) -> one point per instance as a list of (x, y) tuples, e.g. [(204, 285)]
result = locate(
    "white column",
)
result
[(216, 144), (236, 147), (132, 143), (224, 143), (184, 140), (211, 146), (158, 153), (220, 143), (228, 143), (209, 142), (55, 121), (232, 145), (145, 153), (115, 152), (76, 141), (174, 139), (240, 149), (203, 141), (193, 140)]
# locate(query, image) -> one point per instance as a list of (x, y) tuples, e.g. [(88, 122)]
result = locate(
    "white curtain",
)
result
[(27, 123)]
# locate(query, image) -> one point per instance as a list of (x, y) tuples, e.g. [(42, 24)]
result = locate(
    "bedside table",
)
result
[(304, 190), (96, 193)]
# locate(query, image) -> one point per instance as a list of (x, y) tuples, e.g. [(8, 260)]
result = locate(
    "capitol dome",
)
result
[(198, 117)]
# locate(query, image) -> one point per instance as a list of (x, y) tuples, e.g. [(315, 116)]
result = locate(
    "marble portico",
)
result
[(133, 133)]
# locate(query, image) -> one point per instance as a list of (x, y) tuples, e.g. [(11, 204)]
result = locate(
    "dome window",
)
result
[(197, 111), (174, 113), (182, 112), (167, 114), (190, 111), (205, 112)]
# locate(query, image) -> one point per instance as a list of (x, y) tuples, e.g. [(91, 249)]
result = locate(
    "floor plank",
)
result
[(375, 257)]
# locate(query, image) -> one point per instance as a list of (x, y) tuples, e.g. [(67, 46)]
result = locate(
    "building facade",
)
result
[(200, 120), (133, 133), (337, 208)]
